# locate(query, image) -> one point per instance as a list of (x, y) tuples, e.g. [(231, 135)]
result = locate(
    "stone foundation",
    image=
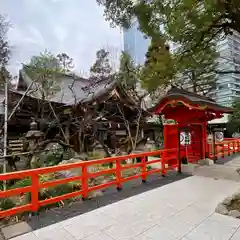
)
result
[(206, 162)]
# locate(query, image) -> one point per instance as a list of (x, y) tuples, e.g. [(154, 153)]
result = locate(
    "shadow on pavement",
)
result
[(110, 196), (226, 159)]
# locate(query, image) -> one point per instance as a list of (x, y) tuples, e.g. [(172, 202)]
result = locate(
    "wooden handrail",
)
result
[(164, 156), (227, 147)]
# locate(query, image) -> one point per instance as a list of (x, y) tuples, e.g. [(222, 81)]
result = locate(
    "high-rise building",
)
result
[(135, 43), (227, 85), (228, 81)]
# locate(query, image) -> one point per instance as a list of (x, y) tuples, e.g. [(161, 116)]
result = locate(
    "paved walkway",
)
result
[(225, 168), (180, 210)]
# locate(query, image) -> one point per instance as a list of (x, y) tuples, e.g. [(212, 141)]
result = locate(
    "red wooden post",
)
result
[(212, 151), (34, 193), (204, 140), (223, 150), (144, 170), (217, 152), (163, 162), (229, 150), (209, 151), (234, 145), (165, 134), (118, 175), (84, 181), (178, 152)]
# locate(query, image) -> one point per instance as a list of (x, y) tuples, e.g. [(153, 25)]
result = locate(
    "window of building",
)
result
[(223, 86)]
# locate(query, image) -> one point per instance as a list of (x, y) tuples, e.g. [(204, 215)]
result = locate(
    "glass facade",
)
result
[(228, 84), (135, 43)]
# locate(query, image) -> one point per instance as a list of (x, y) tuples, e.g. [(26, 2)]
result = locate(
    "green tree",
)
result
[(101, 69), (4, 50), (44, 69), (128, 74), (184, 23), (200, 72), (4, 45), (233, 124), (188, 21), (66, 62), (159, 67), (163, 68)]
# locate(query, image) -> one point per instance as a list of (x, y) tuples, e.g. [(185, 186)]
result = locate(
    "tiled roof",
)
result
[(175, 93), (72, 89)]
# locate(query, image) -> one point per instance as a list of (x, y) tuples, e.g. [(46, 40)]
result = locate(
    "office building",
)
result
[(228, 81), (135, 43)]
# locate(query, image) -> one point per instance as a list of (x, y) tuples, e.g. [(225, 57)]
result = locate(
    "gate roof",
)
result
[(193, 106)]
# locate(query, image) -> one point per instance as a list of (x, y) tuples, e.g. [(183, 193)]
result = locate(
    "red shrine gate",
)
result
[(188, 137), (191, 113)]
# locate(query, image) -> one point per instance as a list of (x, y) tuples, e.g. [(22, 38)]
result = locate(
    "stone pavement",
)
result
[(224, 169), (181, 210)]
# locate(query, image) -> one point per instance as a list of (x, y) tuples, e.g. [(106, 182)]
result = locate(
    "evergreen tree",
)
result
[(101, 69), (159, 67), (199, 71), (4, 51), (128, 74), (233, 124), (186, 23), (43, 69), (190, 22), (66, 62)]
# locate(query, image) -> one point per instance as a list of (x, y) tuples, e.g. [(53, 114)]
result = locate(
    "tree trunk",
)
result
[(194, 82), (42, 107)]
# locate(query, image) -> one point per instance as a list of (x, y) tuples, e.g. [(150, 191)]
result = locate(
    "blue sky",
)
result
[(76, 27)]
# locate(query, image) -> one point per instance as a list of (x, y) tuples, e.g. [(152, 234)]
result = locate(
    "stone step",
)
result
[(15, 140), (16, 145)]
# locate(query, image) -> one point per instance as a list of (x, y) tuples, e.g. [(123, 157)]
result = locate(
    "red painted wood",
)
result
[(34, 196), (34, 188), (144, 169)]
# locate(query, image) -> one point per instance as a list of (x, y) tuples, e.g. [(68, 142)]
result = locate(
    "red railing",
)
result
[(226, 148), (167, 157)]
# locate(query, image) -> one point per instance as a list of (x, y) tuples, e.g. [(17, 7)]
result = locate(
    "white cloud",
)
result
[(76, 27), (32, 3), (15, 35), (61, 33), (35, 35)]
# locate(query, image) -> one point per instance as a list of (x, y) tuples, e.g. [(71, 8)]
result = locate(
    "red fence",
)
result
[(167, 158), (226, 148)]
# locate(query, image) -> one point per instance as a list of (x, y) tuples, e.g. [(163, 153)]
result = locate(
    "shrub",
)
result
[(149, 168), (46, 193), (6, 204), (22, 183), (53, 158), (95, 155)]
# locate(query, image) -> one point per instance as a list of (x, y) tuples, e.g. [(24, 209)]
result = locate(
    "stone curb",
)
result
[(15, 230)]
